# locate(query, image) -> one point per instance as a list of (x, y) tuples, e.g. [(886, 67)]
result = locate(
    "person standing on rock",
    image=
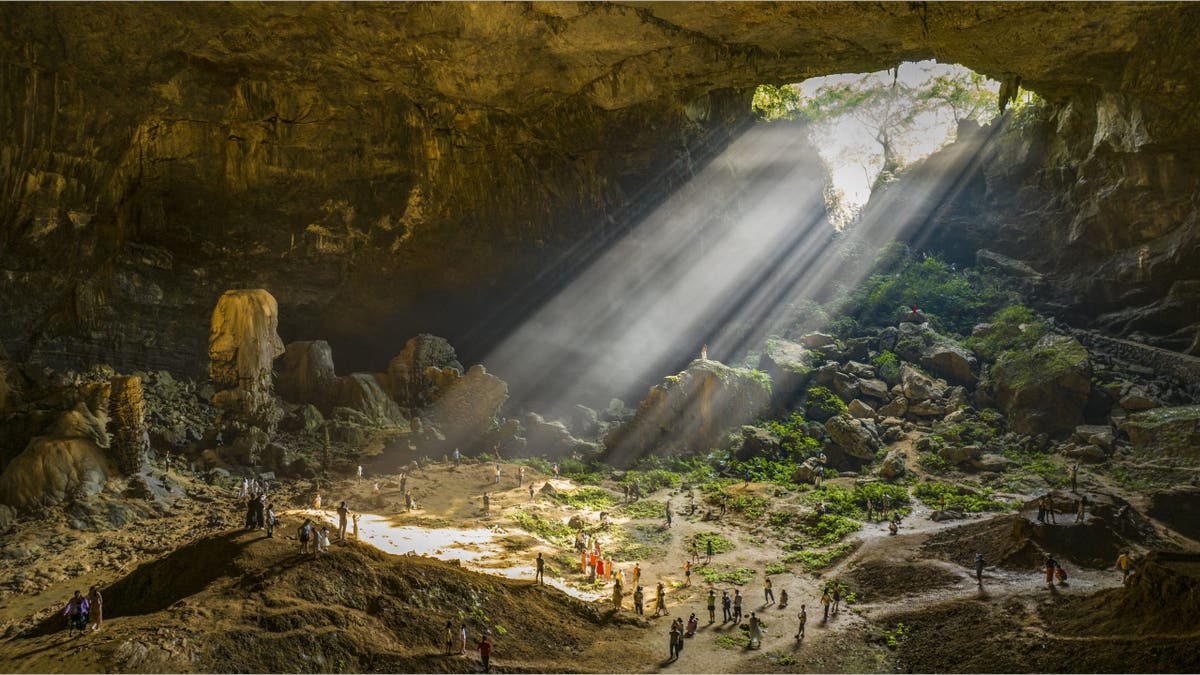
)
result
[(540, 575), (343, 512), (803, 616), (708, 550), (1051, 563), (377, 495), (95, 603), (1073, 473), (837, 596), (704, 352), (637, 574), (1050, 509), (724, 502), (979, 567), (359, 473), (403, 482), (458, 462), (485, 652), (1081, 509)]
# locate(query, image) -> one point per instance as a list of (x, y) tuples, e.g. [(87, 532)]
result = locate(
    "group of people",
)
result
[(260, 514), (84, 611), (452, 637)]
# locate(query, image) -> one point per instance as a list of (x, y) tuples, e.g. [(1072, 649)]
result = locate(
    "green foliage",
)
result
[(959, 497), (968, 96), (816, 560), (893, 637), (751, 507), (850, 503), (764, 470), (726, 574), (827, 402), (775, 568), (1015, 327), (641, 542), (844, 327), (652, 479), (825, 530), (952, 301), (761, 377), (933, 462), (889, 367), (643, 508), (552, 530), (581, 473), (966, 432), (774, 103), (720, 544), (1040, 465), (735, 640), (587, 497)]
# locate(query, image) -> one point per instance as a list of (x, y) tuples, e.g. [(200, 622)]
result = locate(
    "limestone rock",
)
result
[(690, 412), (1137, 399), (819, 341), (892, 466), (585, 422), (806, 471), (860, 410), (897, 408), (951, 361), (918, 386), (871, 388), (127, 409), (926, 409), (855, 437), (790, 366), (959, 454), (53, 470), (859, 370), (1044, 389), (406, 378), (758, 442), (1170, 431), (361, 392), (548, 438), (243, 340), (306, 373), (991, 463), (465, 406), (1098, 434)]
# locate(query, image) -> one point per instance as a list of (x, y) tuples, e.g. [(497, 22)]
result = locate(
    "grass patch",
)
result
[(725, 574), (815, 561), (751, 507), (735, 640), (720, 544), (959, 498), (652, 479), (588, 497), (776, 568), (643, 509), (552, 530)]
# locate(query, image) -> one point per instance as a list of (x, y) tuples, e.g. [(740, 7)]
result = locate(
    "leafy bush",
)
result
[(952, 300), (889, 367), (825, 401), (588, 498), (725, 574), (815, 561), (844, 327), (720, 544), (735, 640), (793, 438), (750, 506), (764, 470), (775, 568), (551, 530), (958, 497), (644, 508), (652, 479), (1015, 327), (933, 462)]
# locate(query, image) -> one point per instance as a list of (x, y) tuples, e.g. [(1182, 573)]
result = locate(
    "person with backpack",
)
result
[(1124, 564), (305, 534), (76, 612)]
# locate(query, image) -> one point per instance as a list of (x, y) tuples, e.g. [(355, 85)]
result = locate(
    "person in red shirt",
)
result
[(485, 653)]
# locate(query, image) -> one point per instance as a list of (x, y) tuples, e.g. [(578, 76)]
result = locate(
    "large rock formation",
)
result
[(466, 405), (242, 345), (691, 412), (1044, 389), (331, 151)]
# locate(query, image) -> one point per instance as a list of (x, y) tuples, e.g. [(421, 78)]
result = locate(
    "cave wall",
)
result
[(388, 168)]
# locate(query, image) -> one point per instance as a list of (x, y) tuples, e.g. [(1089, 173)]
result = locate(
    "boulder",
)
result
[(306, 373), (465, 406), (845, 386), (758, 442), (1137, 399), (1086, 452), (691, 412), (1095, 434), (584, 421), (857, 348), (7, 517), (1046, 388), (407, 379), (548, 490), (362, 392), (872, 388), (860, 410), (959, 454), (892, 467), (888, 337), (1169, 431), (790, 365), (950, 360), (53, 470), (806, 471), (917, 385), (243, 340), (548, 438), (859, 370), (926, 409), (855, 437), (819, 341), (897, 408), (991, 463)]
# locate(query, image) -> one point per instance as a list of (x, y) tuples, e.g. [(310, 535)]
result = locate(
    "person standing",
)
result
[(660, 601), (403, 482), (639, 599), (756, 635), (485, 652), (783, 599), (637, 574), (323, 540), (462, 634), (726, 607), (497, 473), (724, 502), (521, 476), (695, 551), (305, 534), (826, 601), (687, 572), (317, 502), (708, 550), (737, 605), (76, 612), (979, 567), (1081, 510), (837, 596), (712, 606), (803, 616), (343, 512), (359, 473), (674, 637), (95, 610), (1123, 564), (531, 492), (448, 638), (270, 521), (457, 462), (768, 591), (1051, 563), (354, 518), (668, 509), (540, 577), (618, 594), (1050, 509), (1073, 473), (487, 503), (704, 352)]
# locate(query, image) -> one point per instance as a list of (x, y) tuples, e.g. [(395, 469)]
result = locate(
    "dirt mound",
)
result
[(877, 580), (1162, 597), (1177, 509), (238, 602), (1004, 541)]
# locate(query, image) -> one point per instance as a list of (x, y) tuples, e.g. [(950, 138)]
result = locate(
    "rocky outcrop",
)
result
[(789, 365), (855, 438), (466, 404), (406, 378), (130, 435), (689, 413), (1044, 389), (306, 372), (53, 470), (1174, 432), (242, 345)]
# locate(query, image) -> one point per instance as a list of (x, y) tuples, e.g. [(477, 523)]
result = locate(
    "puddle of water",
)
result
[(478, 549)]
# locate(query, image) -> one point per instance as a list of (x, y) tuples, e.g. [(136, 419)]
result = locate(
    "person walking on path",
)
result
[(803, 616), (668, 509), (768, 592), (485, 652), (783, 598), (726, 607), (979, 567), (837, 596), (76, 612), (660, 601), (826, 601), (1123, 564), (95, 603), (737, 606), (462, 634), (540, 577), (687, 572), (756, 635), (712, 606), (674, 636), (343, 512), (448, 638), (639, 601)]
